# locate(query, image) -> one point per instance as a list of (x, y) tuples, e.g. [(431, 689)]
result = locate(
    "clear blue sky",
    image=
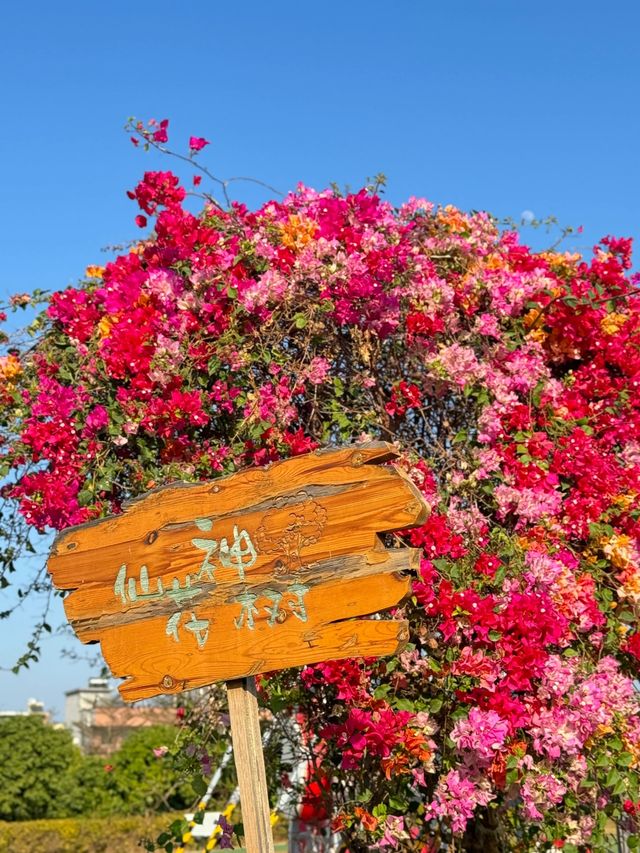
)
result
[(497, 105)]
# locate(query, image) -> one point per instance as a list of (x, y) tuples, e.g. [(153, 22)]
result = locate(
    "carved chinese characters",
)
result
[(261, 570)]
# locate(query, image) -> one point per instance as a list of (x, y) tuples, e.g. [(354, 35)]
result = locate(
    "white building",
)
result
[(79, 706)]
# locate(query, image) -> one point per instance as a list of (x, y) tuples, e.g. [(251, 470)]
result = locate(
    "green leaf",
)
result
[(379, 811), (199, 785), (613, 777), (85, 497)]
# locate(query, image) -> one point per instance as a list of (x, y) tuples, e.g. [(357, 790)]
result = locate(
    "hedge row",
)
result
[(81, 835)]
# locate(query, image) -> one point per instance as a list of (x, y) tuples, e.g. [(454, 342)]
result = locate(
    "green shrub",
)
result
[(36, 761)]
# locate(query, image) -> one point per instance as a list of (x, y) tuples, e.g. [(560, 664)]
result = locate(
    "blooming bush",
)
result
[(510, 380)]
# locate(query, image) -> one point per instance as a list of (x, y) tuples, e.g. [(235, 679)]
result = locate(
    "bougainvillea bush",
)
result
[(510, 380)]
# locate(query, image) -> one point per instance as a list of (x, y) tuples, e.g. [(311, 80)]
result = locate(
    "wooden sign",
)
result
[(265, 569)]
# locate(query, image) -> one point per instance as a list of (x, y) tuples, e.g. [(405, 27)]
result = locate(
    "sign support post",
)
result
[(249, 760), (266, 569)]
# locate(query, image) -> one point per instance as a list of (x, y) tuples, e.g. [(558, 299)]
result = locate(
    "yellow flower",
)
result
[(612, 323), (561, 261), (533, 321), (93, 271), (619, 549), (104, 326), (625, 501)]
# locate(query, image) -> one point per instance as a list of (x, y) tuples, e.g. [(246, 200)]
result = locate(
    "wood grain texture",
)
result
[(249, 761), (261, 570)]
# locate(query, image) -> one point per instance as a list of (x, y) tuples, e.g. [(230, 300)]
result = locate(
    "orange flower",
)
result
[(498, 771), (10, 368), (561, 261), (494, 262), (453, 219), (298, 232), (366, 818), (93, 271)]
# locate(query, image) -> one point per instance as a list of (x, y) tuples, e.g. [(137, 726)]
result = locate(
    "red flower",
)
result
[(141, 221), (487, 564), (157, 189), (632, 646)]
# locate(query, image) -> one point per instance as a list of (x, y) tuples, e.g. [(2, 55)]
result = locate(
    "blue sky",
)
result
[(494, 105)]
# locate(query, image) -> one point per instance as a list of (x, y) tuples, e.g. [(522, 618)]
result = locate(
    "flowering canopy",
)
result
[(510, 379)]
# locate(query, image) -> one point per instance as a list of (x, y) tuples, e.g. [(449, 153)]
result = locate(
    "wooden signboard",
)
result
[(265, 569)]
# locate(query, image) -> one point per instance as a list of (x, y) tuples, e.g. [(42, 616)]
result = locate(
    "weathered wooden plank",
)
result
[(167, 513), (93, 607), (163, 665)]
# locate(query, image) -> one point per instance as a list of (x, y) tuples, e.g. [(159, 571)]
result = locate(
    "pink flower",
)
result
[(160, 751), (394, 832), (197, 143), (538, 791), (482, 733), (317, 370), (456, 797)]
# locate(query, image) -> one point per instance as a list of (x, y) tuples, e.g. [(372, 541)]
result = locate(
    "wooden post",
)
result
[(249, 760)]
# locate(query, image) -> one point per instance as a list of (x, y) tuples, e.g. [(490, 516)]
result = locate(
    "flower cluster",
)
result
[(510, 379)]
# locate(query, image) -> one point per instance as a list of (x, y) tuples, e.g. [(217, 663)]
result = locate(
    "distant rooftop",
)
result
[(34, 708), (96, 685)]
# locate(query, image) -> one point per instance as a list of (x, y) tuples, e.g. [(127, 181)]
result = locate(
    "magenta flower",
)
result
[(197, 143), (161, 135)]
